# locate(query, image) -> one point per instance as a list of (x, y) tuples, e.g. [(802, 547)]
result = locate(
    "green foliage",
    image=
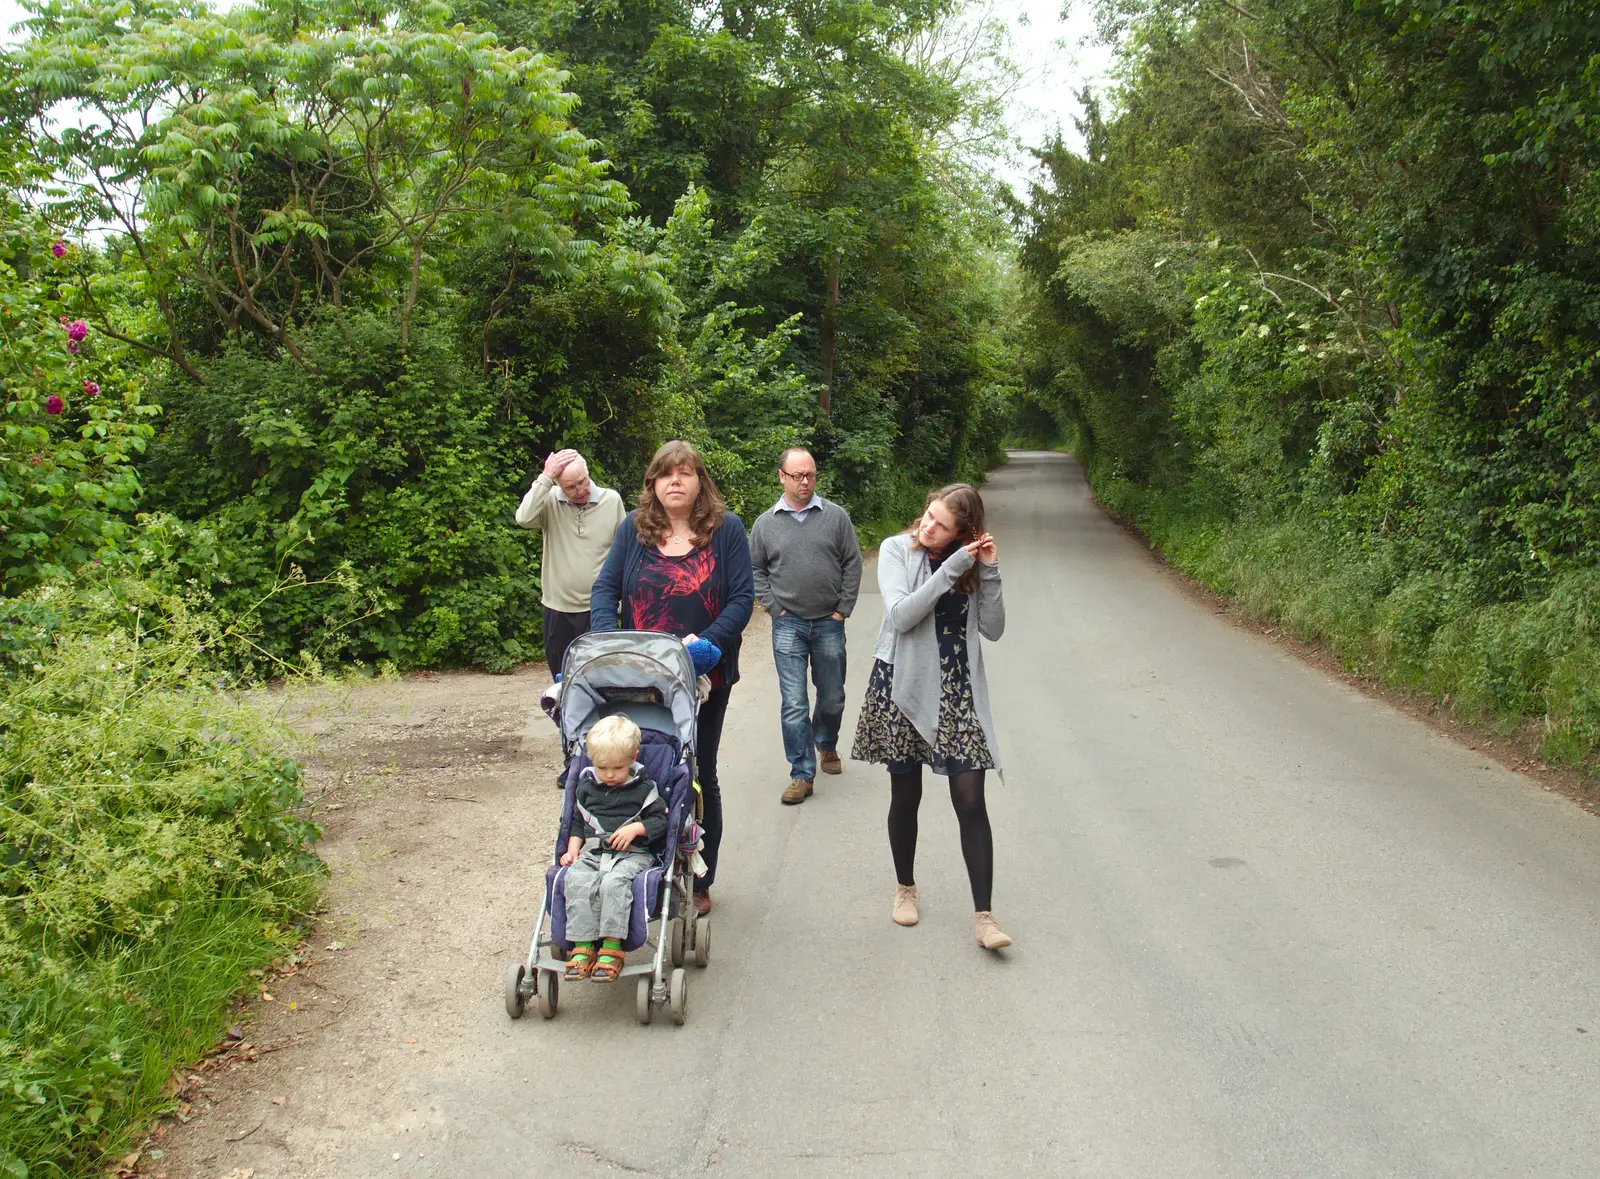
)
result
[(830, 209), (152, 851), (73, 421), (379, 196), (1335, 266), (301, 148), (1498, 662), (743, 387), (386, 463), (575, 362)]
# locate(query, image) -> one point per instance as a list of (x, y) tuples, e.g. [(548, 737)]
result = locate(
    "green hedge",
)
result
[(152, 852), (1502, 662)]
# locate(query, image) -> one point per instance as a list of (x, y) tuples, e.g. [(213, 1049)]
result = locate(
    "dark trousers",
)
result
[(707, 741), (560, 628)]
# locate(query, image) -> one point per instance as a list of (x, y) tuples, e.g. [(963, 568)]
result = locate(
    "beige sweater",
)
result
[(576, 540)]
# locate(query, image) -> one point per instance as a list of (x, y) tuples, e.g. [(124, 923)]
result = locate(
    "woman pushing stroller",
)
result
[(680, 564), (927, 700)]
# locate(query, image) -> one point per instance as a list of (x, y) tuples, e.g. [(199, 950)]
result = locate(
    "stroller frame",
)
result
[(678, 934)]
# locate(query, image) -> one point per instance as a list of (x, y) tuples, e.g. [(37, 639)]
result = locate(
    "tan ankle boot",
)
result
[(990, 935), (905, 905)]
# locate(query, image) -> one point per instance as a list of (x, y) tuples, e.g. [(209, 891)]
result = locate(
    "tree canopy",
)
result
[(1322, 296)]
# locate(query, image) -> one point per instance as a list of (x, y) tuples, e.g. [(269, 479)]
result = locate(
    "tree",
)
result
[(268, 157)]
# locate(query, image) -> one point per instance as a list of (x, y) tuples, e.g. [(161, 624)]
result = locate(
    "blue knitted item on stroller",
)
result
[(650, 678)]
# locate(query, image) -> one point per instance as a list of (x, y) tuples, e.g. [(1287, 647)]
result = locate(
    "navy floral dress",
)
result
[(885, 734)]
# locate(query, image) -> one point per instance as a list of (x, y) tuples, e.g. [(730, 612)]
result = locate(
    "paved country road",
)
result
[(1266, 926)]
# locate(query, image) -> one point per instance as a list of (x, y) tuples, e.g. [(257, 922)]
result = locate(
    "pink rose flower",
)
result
[(54, 405), (90, 388), (77, 330), (59, 249)]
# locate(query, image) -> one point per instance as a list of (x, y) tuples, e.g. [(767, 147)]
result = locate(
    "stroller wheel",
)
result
[(641, 999), (514, 998), (678, 996), (677, 940), (702, 940), (549, 993)]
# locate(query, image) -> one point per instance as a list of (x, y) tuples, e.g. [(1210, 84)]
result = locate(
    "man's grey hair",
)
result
[(783, 459)]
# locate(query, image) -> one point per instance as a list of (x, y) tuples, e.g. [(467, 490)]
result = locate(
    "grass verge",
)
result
[(91, 1045), (1503, 665), (152, 854)]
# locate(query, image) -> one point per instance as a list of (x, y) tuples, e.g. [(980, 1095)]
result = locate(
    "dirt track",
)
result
[(427, 788)]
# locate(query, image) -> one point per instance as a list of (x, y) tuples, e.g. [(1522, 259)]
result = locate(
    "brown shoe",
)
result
[(828, 761), (799, 790), (905, 905), (702, 903), (990, 936)]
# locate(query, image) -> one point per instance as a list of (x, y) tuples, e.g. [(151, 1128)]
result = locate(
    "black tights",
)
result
[(977, 840)]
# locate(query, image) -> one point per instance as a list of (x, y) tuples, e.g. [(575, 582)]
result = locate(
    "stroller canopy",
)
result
[(646, 675)]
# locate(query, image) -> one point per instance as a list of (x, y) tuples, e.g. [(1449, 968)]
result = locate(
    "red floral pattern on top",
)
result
[(677, 595)]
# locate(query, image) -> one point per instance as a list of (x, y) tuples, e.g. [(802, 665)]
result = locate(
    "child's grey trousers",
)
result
[(600, 894)]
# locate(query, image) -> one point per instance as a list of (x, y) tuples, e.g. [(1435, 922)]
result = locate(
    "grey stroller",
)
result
[(649, 677)]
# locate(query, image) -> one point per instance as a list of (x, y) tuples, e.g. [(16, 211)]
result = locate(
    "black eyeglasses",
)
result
[(800, 476)]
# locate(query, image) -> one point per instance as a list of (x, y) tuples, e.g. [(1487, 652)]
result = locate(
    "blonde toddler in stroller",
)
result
[(618, 807), (627, 849)]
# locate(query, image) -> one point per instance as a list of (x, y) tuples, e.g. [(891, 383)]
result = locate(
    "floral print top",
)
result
[(678, 595)]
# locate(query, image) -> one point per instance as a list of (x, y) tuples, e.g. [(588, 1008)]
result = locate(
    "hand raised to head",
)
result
[(557, 462), (983, 549)]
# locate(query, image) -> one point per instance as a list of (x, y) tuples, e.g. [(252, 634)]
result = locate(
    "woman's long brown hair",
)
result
[(705, 514), (966, 505)]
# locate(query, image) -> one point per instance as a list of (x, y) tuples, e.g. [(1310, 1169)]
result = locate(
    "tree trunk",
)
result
[(830, 333)]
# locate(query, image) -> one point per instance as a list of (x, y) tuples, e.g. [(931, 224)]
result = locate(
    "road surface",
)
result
[(1265, 926)]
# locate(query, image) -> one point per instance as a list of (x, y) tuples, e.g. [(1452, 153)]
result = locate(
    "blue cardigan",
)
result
[(620, 575)]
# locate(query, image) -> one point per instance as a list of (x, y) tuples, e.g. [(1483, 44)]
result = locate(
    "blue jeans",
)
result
[(821, 642)]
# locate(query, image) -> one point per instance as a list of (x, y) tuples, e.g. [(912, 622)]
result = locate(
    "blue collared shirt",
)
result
[(814, 504)]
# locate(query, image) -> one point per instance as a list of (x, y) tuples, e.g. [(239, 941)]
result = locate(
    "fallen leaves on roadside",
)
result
[(184, 1085)]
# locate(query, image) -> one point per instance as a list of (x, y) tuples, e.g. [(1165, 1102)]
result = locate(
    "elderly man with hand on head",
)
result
[(578, 520), (807, 566)]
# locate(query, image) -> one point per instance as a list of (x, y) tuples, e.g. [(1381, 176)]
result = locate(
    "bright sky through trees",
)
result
[(1054, 54)]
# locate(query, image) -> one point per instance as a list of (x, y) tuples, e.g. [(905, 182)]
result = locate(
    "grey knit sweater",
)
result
[(811, 567), (908, 640)]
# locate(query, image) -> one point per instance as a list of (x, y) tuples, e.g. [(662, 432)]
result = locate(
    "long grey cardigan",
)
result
[(907, 639)]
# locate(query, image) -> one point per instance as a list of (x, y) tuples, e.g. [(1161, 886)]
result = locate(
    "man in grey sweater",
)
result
[(807, 566)]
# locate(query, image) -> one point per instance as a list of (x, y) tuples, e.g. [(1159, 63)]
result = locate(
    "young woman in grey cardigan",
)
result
[(927, 701)]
